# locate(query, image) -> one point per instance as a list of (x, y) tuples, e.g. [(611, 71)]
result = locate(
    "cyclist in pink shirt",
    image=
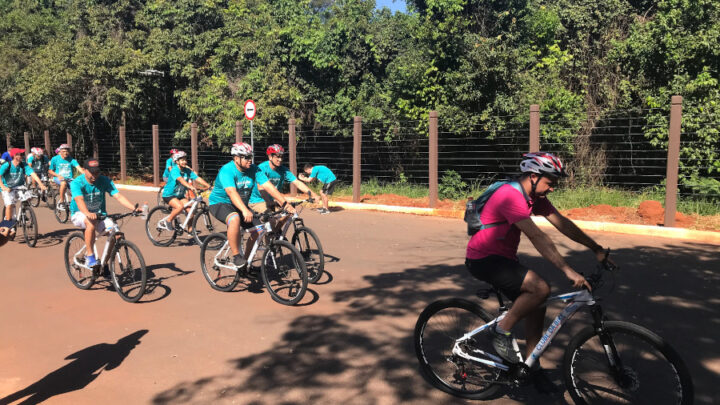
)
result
[(492, 253)]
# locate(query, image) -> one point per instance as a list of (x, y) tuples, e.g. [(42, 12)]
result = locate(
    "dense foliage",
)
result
[(78, 64)]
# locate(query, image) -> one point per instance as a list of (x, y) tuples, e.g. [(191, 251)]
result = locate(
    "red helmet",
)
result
[(173, 151), (273, 149)]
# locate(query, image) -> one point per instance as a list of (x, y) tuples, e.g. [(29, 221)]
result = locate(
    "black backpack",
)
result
[(473, 208)]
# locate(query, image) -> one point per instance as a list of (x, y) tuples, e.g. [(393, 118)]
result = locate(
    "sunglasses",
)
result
[(277, 155), (246, 157)]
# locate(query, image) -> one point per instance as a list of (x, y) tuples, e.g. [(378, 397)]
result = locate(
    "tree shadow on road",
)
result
[(86, 366), (156, 289), (365, 350)]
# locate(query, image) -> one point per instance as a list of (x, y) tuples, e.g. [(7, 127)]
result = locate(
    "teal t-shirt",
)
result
[(14, 176), (278, 177), (39, 165), (93, 194), (174, 188), (169, 164), (63, 167), (323, 174), (228, 176)]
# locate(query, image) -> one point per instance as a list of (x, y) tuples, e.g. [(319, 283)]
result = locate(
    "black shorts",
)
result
[(222, 210), (329, 188), (168, 199), (504, 274)]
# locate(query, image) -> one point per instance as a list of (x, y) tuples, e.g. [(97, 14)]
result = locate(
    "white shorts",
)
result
[(10, 197), (78, 219)]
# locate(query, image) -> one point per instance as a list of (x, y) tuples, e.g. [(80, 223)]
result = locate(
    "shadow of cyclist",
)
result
[(87, 365)]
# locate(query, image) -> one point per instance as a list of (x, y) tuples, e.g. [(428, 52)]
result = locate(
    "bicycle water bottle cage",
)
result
[(484, 293)]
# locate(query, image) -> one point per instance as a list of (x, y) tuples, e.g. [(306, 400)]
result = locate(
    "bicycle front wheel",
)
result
[(51, 198), (283, 272), (436, 330), (307, 242), (159, 199), (34, 201), (81, 276), (216, 261), (203, 225), (127, 269), (157, 235), (29, 224), (645, 370)]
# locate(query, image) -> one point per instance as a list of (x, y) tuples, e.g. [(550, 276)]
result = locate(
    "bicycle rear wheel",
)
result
[(436, 330), (51, 200), (34, 201), (283, 272), (203, 225), (29, 224), (647, 371), (307, 242), (219, 277), (159, 237), (127, 269), (62, 211), (82, 277)]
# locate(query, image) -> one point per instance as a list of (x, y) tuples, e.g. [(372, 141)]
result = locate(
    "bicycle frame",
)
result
[(194, 203), (110, 231), (575, 300), (261, 229), (24, 194)]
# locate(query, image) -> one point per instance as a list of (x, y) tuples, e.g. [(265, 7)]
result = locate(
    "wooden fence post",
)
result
[(156, 154), (293, 152), (68, 138), (26, 135), (671, 186), (534, 128), (357, 145), (433, 153), (123, 154), (194, 147), (8, 140), (48, 145), (238, 131)]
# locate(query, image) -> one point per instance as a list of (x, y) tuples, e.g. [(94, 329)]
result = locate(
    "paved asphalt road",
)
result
[(348, 342)]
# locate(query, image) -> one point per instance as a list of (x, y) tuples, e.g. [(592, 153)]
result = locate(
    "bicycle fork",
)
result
[(614, 362)]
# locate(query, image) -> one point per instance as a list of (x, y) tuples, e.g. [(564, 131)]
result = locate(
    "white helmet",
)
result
[(241, 149), (177, 155), (64, 146), (542, 163)]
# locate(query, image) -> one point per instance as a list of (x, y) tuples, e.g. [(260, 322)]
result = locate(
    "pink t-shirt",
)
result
[(507, 205)]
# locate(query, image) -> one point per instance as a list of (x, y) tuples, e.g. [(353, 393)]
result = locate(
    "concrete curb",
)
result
[(630, 229)]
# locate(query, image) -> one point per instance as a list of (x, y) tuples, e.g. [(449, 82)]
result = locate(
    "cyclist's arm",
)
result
[(36, 178), (238, 203), (569, 229), (304, 188), (80, 201), (125, 202), (3, 169), (202, 182), (547, 249), (274, 193)]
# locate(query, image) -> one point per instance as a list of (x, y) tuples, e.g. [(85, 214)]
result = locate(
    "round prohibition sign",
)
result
[(250, 109)]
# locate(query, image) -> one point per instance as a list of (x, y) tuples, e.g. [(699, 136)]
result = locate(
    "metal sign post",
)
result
[(250, 111)]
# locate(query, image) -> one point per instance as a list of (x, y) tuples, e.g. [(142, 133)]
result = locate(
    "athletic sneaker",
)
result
[(502, 343), (239, 260), (90, 261), (323, 211), (61, 206)]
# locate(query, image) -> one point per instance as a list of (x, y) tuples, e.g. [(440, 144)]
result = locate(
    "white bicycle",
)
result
[(609, 362), (25, 215), (199, 220)]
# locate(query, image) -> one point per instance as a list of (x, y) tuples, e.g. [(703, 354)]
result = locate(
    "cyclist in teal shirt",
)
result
[(169, 164), (177, 185), (323, 175), (231, 195), (279, 176), (13, 175), (88, 200), (61, 169)]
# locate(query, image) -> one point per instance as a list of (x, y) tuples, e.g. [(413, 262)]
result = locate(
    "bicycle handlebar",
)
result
[(596, 278)]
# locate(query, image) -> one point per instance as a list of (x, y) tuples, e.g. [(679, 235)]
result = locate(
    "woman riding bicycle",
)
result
[(492, 253), (177, 185)]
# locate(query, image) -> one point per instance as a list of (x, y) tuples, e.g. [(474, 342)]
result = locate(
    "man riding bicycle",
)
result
[(178, 183), (88, 200), (13, 175), (278, 175), (492, 253), (61, 169), (230, 198), (39, 162)]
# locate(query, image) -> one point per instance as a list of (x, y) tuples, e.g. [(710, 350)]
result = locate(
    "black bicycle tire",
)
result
[(50, 200), (159, 198), (149, 222), (425, 367), (34, 201), (206, 214), (33, 219), (62, 216), (658, 343), (315, 276), (92, 278), (299, 262), (143, 271), (208, 278)]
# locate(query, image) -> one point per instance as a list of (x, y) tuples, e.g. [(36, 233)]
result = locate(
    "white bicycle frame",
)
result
[(261, 229), (575, 300), (194, 202), (111, 228), (23, 194)]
